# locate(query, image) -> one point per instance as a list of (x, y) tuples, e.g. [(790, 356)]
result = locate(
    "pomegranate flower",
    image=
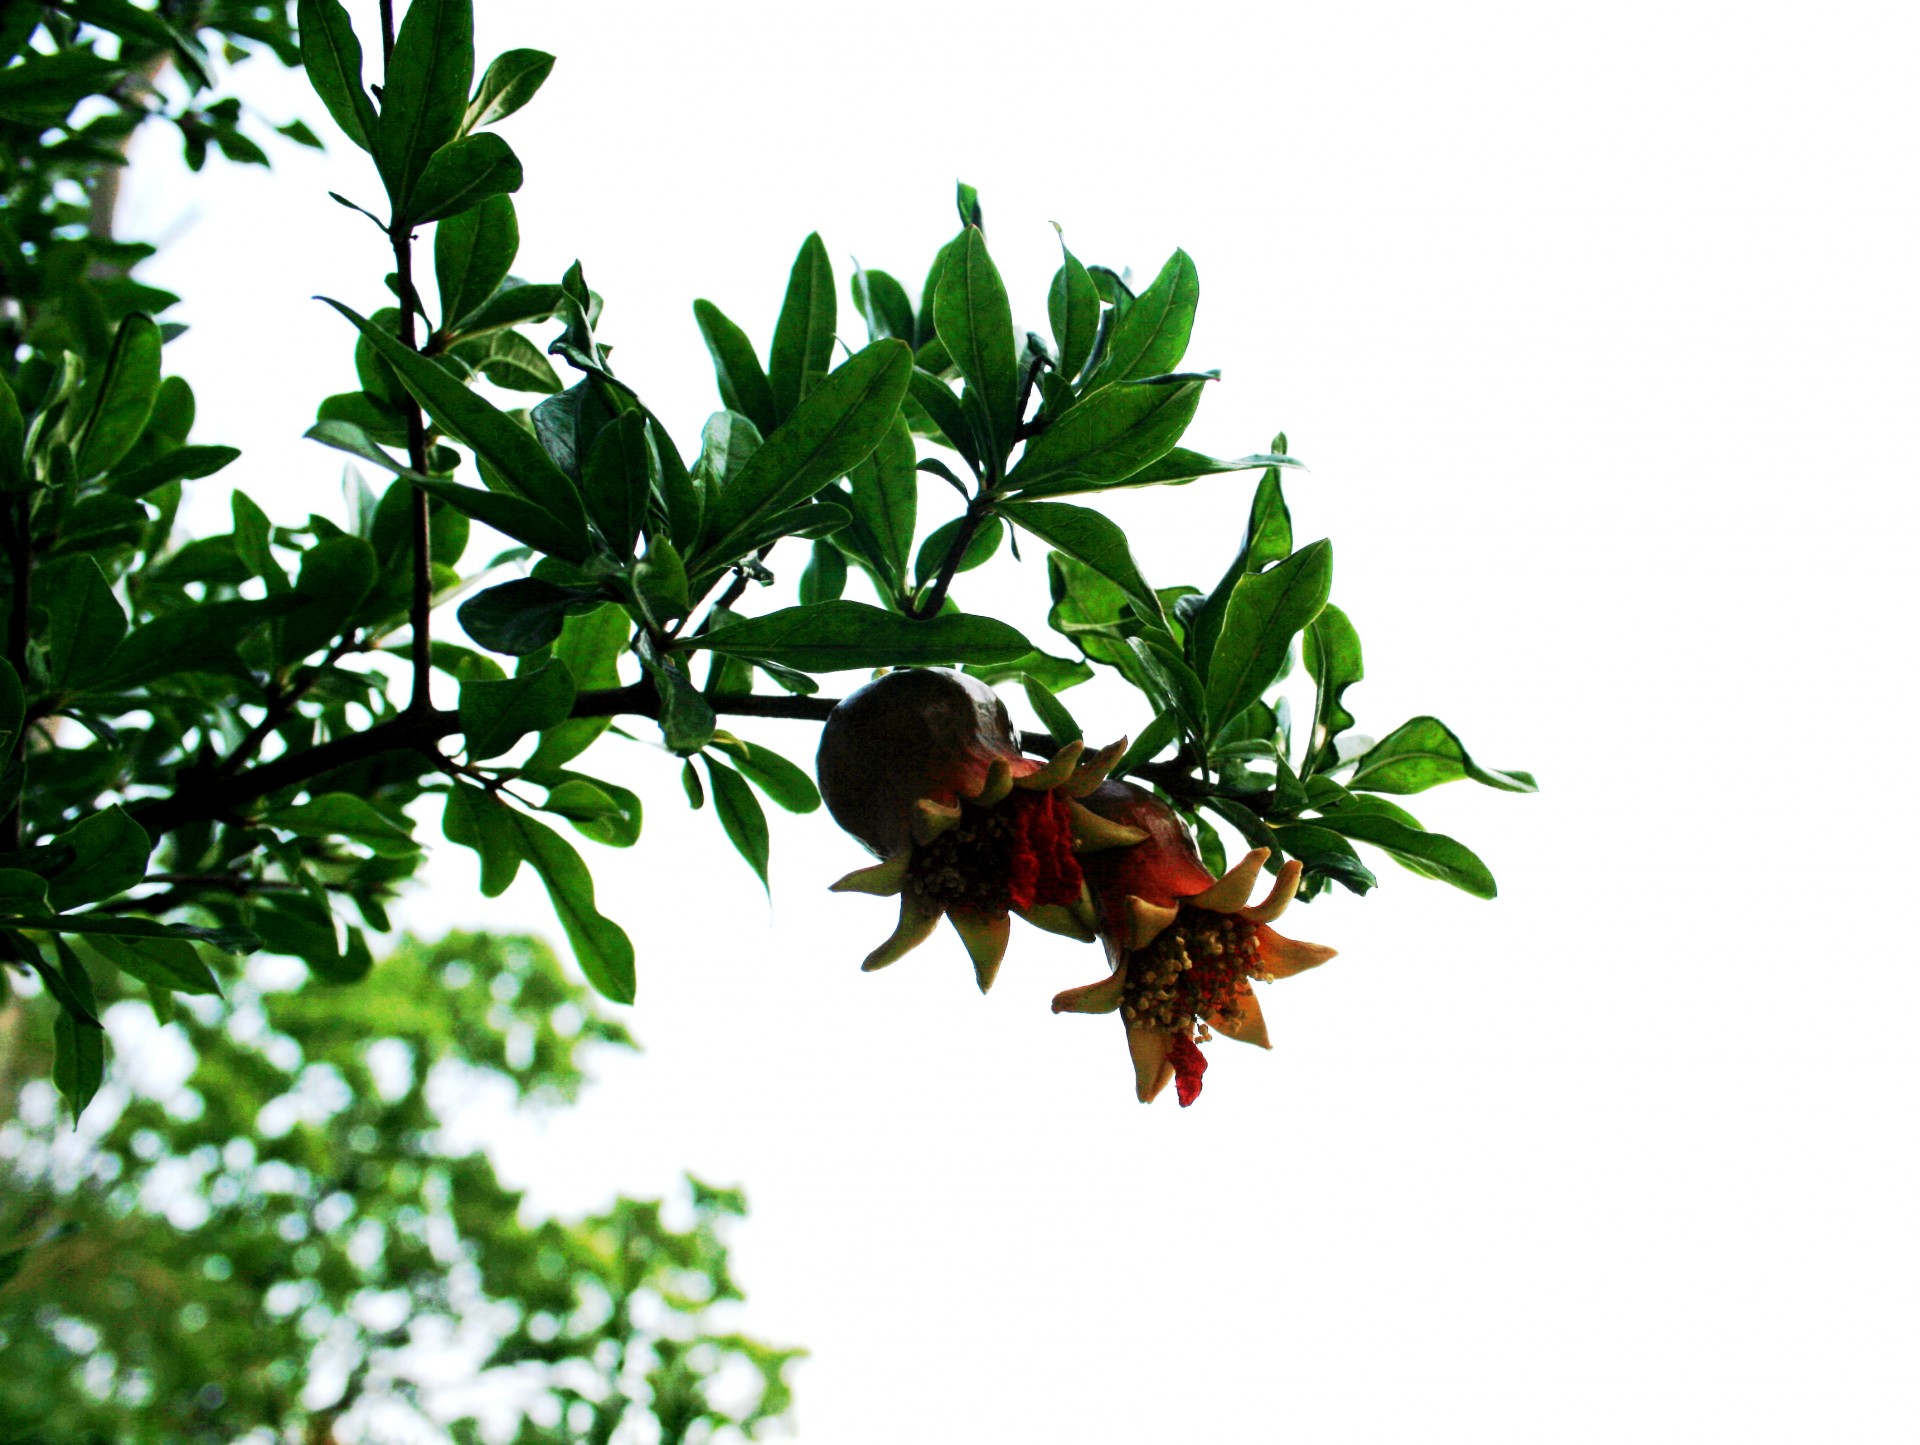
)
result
[(924, 767), (1184, 946)]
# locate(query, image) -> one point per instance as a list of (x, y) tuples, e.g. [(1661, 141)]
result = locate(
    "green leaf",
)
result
[(512, 80), (975, 324), (472, 253), (68, 981), (741, 816), (1324, 853), (461, 175), (13, 708), (180, 464), (803, 336), (1269, 539), (1182, 464), (85, 621), (336, 576), (882, 300), (1423, 753), (825, 576), (1105, 438), (1053, 714), (514, 304), (40, 90), (617, 481), (943, 408), (835, 636), (496, 715), (513, 516), (522, 616), (784, 782), (508, 359), (1431, 855), (686, 717), (743, 385), (1073, 311), (476, 819), (883, 496), (1174, 682), (500, 441), (196, 639), (981, 546), (602, 949), (660, 581), (1152, 337), (169, 963), (966, 200), (1057, 673), (829, 433), (1091, 538), (345, 815), (619, 828), (23, 894), (109, 856), (1263, 614), (1332, 654), (122, 398), (590, 647), (425, 96), (79, 1061), (331, 54), (679, 495), (13, 436)]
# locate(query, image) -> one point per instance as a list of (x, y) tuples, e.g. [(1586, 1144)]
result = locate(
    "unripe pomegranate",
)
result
[(924, 767)]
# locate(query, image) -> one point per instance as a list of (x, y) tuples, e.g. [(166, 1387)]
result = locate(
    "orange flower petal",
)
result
[(1251, 1025), (1152, 1069)]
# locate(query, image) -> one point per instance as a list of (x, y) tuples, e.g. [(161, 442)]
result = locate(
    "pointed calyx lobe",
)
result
[(1184, 946), (924, 767)]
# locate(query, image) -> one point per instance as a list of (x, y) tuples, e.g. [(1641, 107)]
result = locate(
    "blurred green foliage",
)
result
[(286, 1246)]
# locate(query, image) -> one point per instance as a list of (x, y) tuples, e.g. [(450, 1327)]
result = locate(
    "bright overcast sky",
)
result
[(1593, 327)]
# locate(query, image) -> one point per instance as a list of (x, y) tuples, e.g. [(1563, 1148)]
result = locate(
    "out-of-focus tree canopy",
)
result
[(286, 1247)]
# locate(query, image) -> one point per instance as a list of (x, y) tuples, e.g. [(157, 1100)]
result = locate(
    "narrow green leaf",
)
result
[(825, 576), (1073, 312), (85, 620), (508, 359), (425, 95), (1089, 537), (499, 440), (784, 782), (975, 323), (109, 856), (180, 464), (883, 496), (617, 481), (1331, 650), (512, 80), (345, 815), (123, 398), (882, 301), (660, 580), (585, 803), (943, 409), (602, 949), (331, 54), (1423, 753), (743, 385), (1057, 673), (496, 715), (839, 423), (522, 616), (514, 304), (79, 1061), (741, 816), (803, 336), (1152, 337), (1431, 855), (1053, 713), (169, 963), (835, 636), (686, 717), (1264, 613), (1105, 438)]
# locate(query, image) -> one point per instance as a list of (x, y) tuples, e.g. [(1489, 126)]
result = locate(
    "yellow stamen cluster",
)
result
[(1192, 970)]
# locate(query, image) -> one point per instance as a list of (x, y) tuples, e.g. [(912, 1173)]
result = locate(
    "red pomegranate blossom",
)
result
[(1185, 947), (924, 767)]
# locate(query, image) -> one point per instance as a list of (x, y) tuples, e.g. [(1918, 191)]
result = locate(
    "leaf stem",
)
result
[(977, 512)]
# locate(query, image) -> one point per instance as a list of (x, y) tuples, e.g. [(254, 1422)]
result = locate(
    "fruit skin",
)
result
[(924, 732)]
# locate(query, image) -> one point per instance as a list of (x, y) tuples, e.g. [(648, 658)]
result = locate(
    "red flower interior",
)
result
[(1017, 854)]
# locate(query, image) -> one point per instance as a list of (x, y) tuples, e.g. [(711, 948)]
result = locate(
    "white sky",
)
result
[(1594, 328)]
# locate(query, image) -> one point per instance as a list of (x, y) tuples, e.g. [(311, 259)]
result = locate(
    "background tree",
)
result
[(287, 1242)]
